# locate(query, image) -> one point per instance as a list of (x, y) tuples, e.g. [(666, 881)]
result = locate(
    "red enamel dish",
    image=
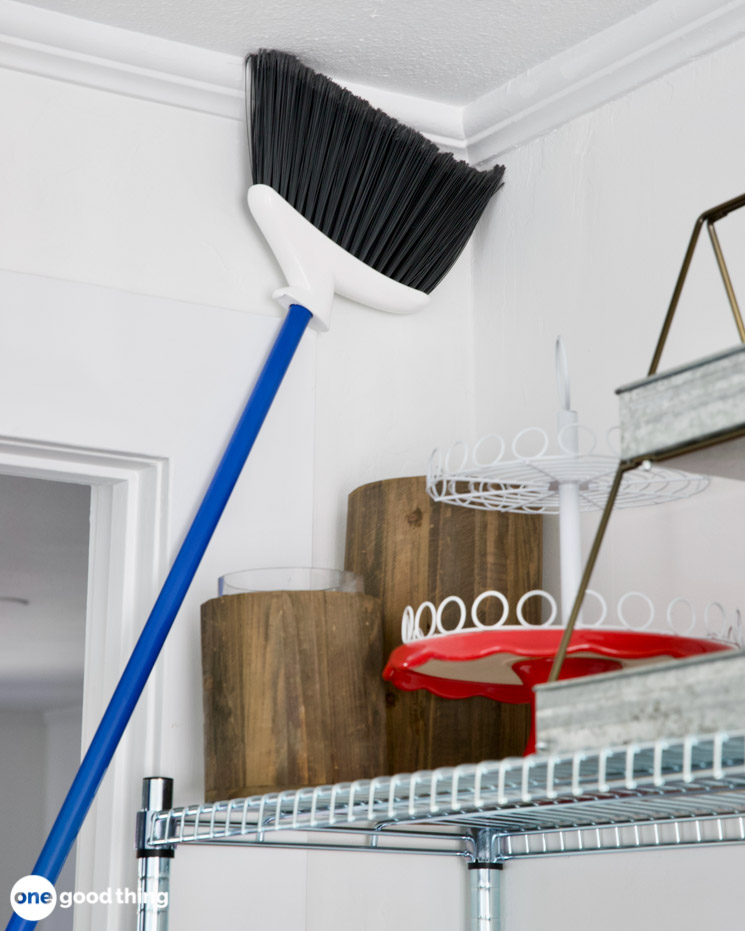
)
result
[(505, 663)]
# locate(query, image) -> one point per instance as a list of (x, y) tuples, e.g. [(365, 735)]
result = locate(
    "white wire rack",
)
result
[(673, 792), (529, 483), (567, 481)]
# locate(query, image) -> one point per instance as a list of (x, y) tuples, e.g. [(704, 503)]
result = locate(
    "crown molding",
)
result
[(65, 48), (659, 39), (54, 45)]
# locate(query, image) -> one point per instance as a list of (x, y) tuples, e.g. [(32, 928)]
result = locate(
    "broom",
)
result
[(351, 202)]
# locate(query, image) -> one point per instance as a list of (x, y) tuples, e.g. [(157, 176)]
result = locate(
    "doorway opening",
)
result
[(121, 515), (44, 555)]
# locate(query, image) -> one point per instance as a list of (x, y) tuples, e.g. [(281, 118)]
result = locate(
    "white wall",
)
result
[(100, 188), (171, 382), (387, 388), (135, 314), (586, 241)]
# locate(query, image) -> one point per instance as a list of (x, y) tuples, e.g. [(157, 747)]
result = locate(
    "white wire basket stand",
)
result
[(531, 480)]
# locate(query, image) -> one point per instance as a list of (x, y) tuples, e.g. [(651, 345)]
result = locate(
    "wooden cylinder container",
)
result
[(292, 691), (410, 549)]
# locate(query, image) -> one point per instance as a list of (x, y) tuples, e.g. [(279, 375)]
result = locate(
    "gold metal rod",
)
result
[(676, 295), (600, 533), (727, 280), (708, 216), (721, 210)]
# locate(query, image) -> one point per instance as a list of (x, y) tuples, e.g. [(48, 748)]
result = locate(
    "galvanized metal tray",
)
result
[(695, 403), (641, 704)]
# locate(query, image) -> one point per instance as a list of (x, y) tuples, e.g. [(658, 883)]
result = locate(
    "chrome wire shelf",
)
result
[(674, 792)]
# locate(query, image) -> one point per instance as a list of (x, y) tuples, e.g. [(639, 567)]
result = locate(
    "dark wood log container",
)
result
[(410, 549), (292, 691)]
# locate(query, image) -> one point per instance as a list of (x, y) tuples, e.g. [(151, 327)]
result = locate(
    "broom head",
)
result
[(376, 190)]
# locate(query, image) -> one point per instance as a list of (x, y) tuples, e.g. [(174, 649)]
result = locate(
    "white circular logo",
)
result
[(33, 898)]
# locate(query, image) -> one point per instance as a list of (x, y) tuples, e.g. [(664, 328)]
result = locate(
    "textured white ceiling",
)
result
[(44, 530), (438, 49)]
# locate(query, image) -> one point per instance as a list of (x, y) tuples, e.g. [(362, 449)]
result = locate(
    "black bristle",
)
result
[(379, 189)]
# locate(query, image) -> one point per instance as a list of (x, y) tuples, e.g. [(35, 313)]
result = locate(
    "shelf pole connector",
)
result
[(154, 862)]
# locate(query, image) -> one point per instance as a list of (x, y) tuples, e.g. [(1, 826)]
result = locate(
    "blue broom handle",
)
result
[(135, 675)]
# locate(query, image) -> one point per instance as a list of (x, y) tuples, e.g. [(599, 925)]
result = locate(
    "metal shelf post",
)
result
[(153, 863), (484, 876)]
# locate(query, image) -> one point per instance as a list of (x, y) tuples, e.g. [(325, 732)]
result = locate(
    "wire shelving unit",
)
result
[(677, 792)]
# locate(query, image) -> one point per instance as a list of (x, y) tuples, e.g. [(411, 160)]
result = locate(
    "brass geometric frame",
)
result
[(708, 217)]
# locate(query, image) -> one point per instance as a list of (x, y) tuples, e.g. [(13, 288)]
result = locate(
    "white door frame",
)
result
[(127, 559)]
